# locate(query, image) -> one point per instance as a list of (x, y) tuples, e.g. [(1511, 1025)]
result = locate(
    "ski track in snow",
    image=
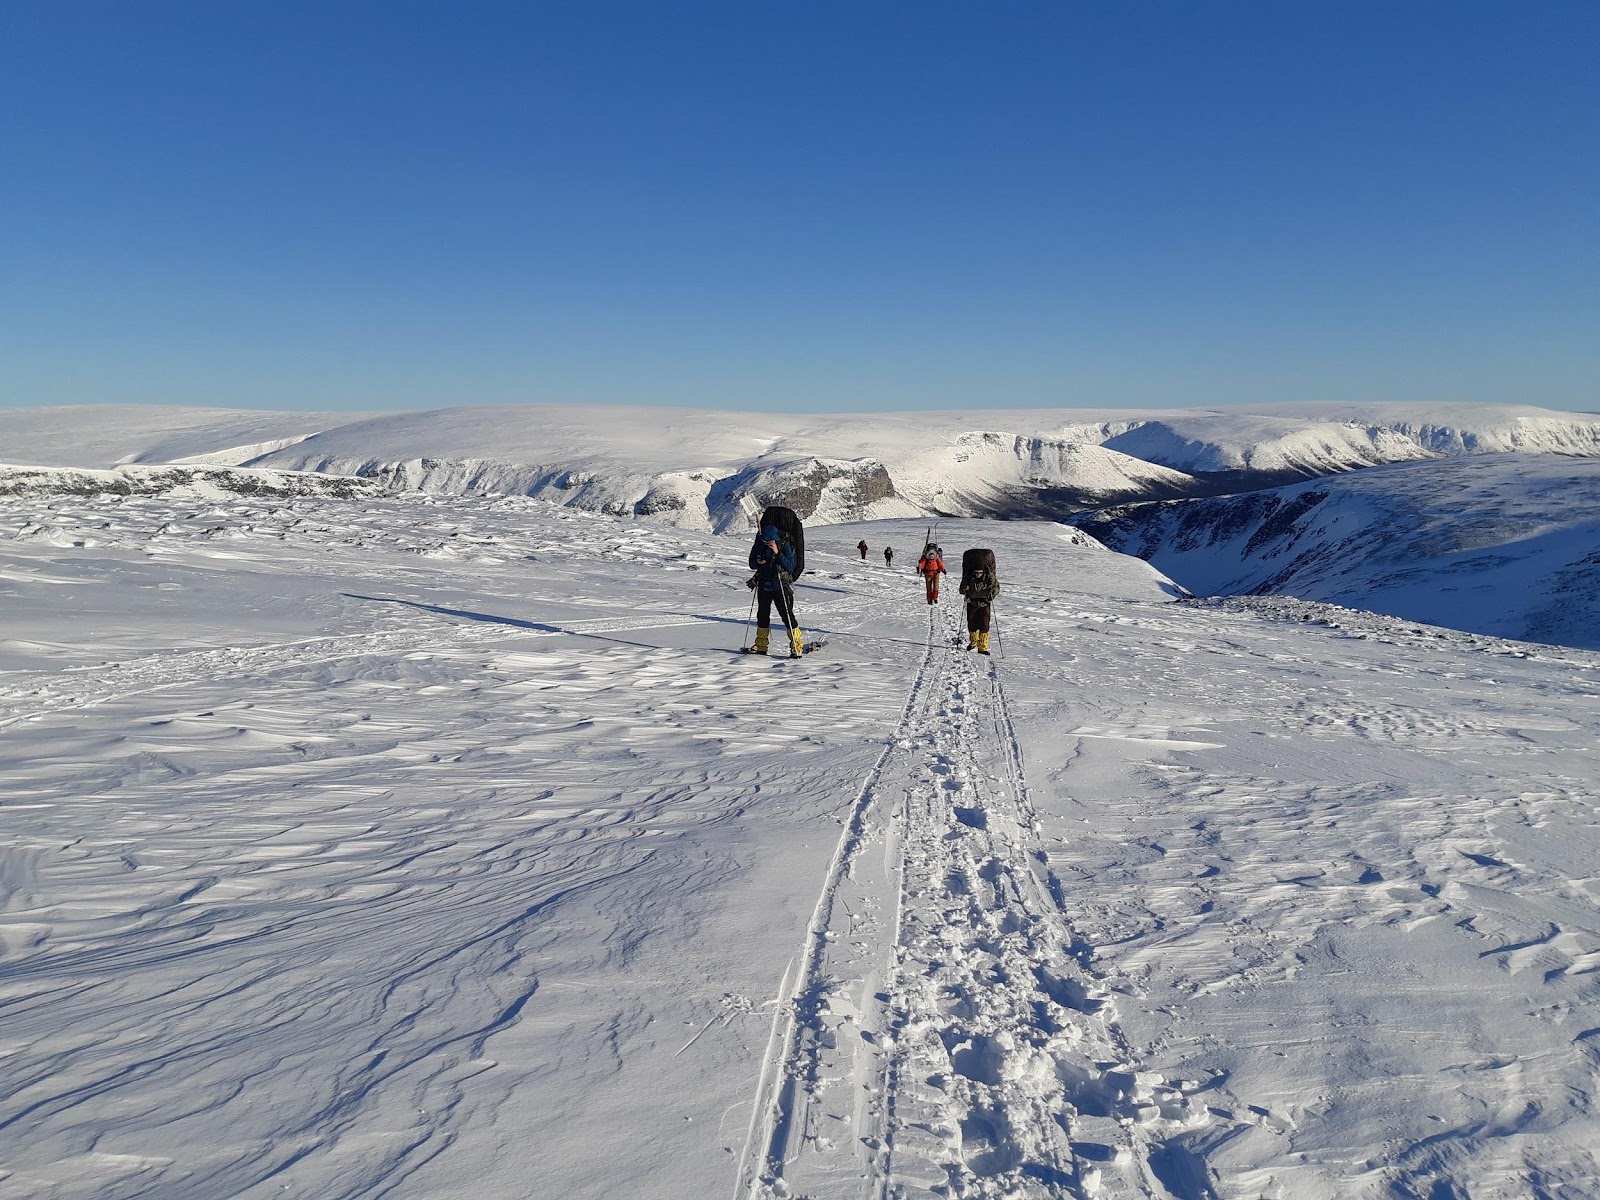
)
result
[(427, 849), (953, 1042)]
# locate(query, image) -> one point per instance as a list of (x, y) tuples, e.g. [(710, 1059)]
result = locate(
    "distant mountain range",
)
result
[(714, 470)]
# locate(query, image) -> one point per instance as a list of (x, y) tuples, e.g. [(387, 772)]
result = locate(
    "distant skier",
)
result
[(888, 556), (772, 559), (862, 546), (980, 584), (930, 566)]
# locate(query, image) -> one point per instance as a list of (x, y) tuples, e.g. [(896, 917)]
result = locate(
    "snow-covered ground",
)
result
[(709, 470), (1505, 544), (447, 847)]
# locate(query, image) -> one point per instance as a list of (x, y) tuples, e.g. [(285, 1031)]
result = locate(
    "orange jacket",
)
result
[(931, 566)]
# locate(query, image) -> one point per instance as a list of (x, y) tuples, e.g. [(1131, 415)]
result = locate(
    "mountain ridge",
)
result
[(708, 469)]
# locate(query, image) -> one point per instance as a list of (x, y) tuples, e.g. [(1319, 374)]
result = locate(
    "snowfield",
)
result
[(420, 846)]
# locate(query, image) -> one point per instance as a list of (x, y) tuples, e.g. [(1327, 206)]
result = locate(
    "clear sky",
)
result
[(772, 204)]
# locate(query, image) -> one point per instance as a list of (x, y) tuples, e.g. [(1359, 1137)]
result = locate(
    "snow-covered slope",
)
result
[(988, 472), (1507, 544), (1214, 443), (111, 435), (441, 847), (712, 470)]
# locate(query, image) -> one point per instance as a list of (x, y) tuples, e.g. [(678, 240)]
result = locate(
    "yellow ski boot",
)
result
[(972, 639), (983, 643), (796, 646), (761, 641)]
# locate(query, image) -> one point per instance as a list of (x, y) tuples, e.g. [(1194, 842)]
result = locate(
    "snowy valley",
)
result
[(375, 835), (1505, 544)]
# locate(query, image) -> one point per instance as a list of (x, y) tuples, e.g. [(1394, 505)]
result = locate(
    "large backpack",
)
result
[(789, 525), (975, 560)]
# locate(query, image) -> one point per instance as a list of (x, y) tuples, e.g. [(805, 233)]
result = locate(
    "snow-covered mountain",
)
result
[(1506, 544), (712, 470), (113, 435)]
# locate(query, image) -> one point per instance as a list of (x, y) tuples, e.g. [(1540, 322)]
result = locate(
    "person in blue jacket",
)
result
[(772, 560)]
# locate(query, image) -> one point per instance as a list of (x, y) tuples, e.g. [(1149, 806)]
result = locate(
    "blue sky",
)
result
[(806, 206)]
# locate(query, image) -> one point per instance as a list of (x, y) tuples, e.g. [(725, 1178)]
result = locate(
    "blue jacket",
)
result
[(773, 570)]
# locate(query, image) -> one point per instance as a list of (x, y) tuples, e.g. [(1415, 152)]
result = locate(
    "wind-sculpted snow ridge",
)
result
[(1505, 544), (713, 471)]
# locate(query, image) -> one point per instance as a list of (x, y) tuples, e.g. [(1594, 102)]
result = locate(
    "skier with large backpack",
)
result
[(777, 558), (930, 566), (980, 584)]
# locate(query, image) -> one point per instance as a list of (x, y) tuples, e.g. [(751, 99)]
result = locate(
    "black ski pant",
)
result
[(784, 601), (977, 617)]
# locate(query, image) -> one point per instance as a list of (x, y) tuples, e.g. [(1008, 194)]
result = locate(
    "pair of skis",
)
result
[(808, 648)]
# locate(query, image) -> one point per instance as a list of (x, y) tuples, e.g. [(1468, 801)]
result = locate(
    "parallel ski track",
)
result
[(958, 872), (970, 1050), (793, 1049)]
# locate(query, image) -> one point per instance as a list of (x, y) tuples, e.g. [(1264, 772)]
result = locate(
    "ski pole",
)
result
[(749, 620)]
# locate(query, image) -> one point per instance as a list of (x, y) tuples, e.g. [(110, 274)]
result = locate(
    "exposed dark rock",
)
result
[(659, 502), (158, 480)]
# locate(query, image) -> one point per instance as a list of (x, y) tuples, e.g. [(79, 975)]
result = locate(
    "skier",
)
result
[(888, 556), (772, 560), (776, 557), (862, 546), (980, 585), (930, 566)]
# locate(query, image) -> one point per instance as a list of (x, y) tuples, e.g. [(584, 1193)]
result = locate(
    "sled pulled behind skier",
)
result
[(777, 558), (980, 584), (930, 566)]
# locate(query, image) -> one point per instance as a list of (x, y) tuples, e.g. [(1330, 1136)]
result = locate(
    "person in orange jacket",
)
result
[(930, 566)]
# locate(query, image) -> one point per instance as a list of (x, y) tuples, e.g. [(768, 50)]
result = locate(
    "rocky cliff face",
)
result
[(178, 480), (821, 491)]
